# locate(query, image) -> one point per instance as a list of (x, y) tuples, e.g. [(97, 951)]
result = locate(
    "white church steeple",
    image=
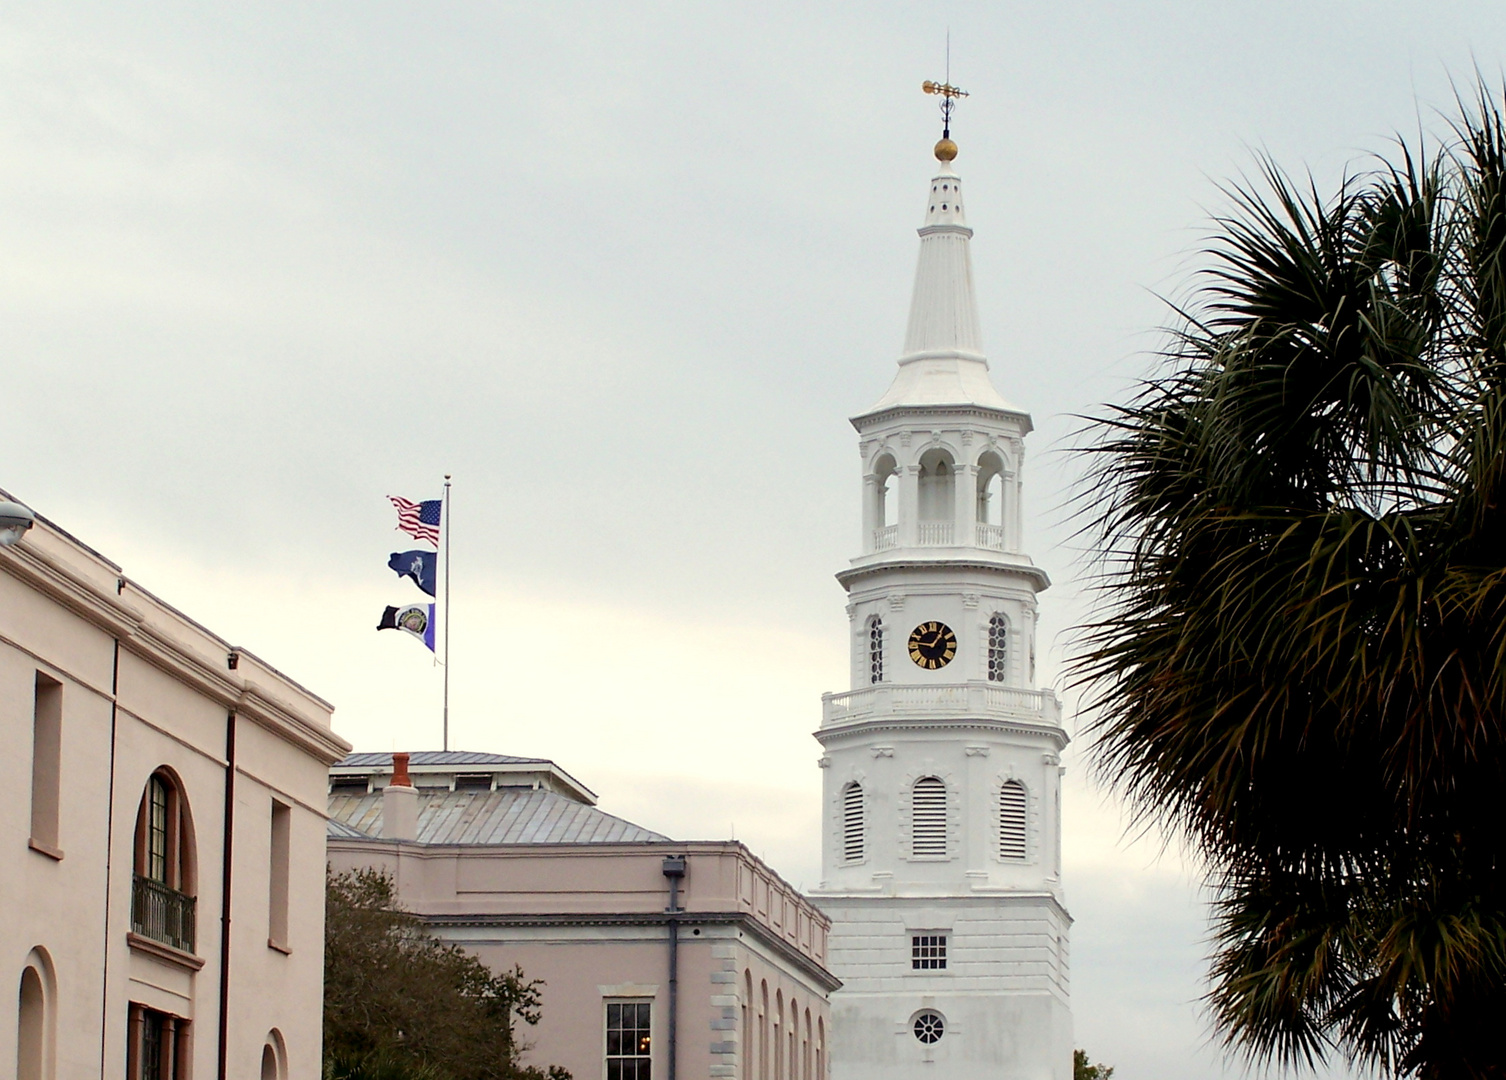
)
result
[(943, 310), (943, 361), (941, 857)]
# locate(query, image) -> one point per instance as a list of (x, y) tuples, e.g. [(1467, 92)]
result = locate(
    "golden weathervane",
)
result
[(946, 149)]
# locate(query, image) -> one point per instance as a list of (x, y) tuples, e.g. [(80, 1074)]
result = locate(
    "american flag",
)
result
[(419, 520)]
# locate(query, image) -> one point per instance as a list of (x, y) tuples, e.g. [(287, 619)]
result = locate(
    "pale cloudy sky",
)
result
[(625, 270)]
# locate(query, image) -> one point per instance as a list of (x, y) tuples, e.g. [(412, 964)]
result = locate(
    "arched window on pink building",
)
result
[(36, 1021), (164, 886)]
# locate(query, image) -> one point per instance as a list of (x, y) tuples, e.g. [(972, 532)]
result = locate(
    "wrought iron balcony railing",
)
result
[(162, 913)]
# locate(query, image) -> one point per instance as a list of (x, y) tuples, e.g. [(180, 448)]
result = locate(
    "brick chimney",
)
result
[(400, 803)]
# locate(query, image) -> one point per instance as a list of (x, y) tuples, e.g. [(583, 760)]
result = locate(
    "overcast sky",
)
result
[(625, 271)]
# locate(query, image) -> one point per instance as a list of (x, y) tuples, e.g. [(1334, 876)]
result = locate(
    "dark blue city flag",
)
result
[(416, 619), (421, 566)]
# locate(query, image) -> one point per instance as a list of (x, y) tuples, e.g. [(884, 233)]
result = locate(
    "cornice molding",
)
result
[(114, 615), (741, 919), (867, 421), (841, 732), (973, 898), (909, 562), (60, 584)]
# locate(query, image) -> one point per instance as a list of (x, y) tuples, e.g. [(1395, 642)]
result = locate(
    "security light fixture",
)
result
[(15, 519)]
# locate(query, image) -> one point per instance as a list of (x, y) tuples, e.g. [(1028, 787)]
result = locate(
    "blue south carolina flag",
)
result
[(421, 566)]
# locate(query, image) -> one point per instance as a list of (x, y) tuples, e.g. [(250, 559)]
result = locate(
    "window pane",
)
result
[(156, 863), (928, 952), (629, 1043)]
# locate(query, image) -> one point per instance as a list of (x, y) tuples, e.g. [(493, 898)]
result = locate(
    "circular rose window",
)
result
[(929, 1027)]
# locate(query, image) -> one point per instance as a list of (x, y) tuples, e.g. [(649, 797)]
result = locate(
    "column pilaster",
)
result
[(909, 506), (965, 485), (872, 501)]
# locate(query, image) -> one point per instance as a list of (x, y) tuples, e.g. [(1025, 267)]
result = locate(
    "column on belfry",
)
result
[(909, 505)]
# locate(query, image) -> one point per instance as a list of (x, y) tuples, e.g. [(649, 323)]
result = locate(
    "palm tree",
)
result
[(1298, 661)]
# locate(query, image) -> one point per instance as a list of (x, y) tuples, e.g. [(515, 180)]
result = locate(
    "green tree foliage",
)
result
[(400, 1005), (1082, 1069), (1298, 664)]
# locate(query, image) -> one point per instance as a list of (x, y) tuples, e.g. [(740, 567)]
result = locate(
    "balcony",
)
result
[(935, 533), (980, 700), (939, 534), (162, 914)]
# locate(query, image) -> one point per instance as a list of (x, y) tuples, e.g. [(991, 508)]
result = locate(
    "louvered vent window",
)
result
[(875, 650), (852, 822), (998, 653), (1012, 803), (928, 817)]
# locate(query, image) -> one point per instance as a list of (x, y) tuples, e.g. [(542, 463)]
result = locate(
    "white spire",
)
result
[(943, 312), (943, 362)]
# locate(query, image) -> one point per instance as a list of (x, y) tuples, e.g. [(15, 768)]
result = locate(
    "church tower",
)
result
[(941, 809)]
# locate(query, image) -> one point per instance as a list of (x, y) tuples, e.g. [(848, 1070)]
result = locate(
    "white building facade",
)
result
[(941, 816)]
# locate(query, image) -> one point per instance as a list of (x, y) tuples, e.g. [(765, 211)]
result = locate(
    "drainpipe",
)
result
[(674, 870), (228, 845), (104, 980)]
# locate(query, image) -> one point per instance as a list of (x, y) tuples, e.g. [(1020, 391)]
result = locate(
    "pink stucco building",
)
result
[(163, 891), (644, 943)]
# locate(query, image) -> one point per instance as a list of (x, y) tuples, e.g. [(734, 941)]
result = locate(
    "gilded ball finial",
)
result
[(946, 150)]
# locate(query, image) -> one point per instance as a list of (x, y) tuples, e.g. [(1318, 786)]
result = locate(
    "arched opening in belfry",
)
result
[(937, 497), (991, 508), (885, 492)]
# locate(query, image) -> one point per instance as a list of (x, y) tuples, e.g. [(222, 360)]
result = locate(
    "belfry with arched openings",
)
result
[(941, 817)]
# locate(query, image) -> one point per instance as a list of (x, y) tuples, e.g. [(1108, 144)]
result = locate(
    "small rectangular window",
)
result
[(46, 761), (473, 782), (349, 785), (158, 1045), (277, 916), (928, 952), (629, 1048)]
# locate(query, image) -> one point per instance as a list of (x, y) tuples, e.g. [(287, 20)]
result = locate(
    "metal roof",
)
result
[(435, 757), (519, 816), (338, 830)]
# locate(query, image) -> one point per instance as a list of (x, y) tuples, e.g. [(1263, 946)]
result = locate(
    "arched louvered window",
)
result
[(1012, 816), (928, 817), (998, 647), (875, 650), (852, 822)]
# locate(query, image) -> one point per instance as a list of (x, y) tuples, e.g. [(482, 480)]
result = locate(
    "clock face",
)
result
[(932, 645)]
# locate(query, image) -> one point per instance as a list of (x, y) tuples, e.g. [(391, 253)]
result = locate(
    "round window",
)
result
[(929, 1027)]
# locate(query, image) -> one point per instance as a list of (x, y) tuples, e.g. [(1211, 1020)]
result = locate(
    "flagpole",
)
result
[(447, 611)]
